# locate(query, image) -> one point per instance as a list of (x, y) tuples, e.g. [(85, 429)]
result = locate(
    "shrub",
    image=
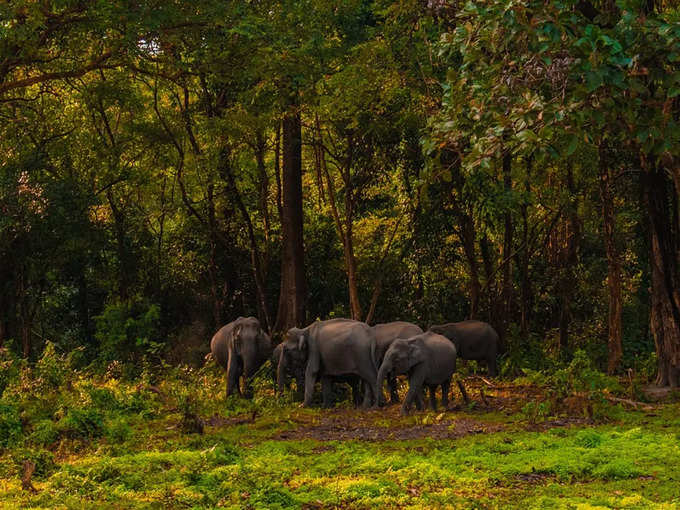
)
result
[(10, 425), (83, 423), (9, 370), (118, 430), (45, 433), (588, 438), (43, 460), (103, 398), (128, 330)]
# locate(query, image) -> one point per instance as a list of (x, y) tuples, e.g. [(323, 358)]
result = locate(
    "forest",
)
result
[(169, 166)]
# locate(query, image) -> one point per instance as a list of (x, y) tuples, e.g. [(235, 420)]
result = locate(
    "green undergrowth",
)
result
[(610, 466), (95, 439)]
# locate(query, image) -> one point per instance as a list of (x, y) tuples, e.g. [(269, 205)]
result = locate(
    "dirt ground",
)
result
[(461, 419)]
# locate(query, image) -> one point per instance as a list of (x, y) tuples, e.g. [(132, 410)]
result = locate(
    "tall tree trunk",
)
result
[(124, 271), (614, 345), (522, 260), (263, 182), (292, 298), (665, 300), (506, 296), (467, 233), (564, 242)]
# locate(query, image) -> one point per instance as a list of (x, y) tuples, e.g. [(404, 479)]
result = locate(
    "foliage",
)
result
[(10, 425), (127, 329)]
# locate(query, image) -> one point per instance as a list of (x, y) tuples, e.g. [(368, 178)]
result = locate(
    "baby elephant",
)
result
[(429, 360)]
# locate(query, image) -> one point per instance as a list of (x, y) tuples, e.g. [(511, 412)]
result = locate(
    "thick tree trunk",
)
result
[(614, 345), (665, 300), (292, 298)]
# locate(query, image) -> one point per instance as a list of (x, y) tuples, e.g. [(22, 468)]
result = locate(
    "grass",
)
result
[(108, 444)]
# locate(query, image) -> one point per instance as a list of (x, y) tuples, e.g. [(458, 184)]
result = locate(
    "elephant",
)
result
[(474, 340), (330, 349), (241, 347), (385, 334), (429, 360), (296, 371)]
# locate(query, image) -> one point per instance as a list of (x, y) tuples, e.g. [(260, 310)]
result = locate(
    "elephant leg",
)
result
[(367, 395), (327, 391), (445, 393), (392, 385), (356, 391), (233, 374), (310, 380), (420, 401), (492, 366), (415, 389), (433, 396)]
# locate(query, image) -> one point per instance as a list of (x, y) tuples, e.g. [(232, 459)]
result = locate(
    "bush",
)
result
[(45, 433), (10, 426), (9, 370), (43, 460), (128, 330), (86, 423), (118, 431)]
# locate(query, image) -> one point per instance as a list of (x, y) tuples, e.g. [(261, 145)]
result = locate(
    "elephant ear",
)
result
[(303, 339), (235, 334), (416, 352)]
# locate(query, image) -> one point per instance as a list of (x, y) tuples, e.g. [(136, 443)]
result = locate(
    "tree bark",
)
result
[(665, 300), (292, 297), (614, 345)]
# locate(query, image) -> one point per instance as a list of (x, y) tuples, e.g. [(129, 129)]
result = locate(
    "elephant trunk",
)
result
[(385, 369), (281, 373)]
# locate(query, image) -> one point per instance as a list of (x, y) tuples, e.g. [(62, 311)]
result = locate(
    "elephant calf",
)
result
[(241, 347), (474, 340), (429, 360), (385, 334)]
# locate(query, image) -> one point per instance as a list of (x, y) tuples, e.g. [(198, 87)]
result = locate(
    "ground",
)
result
[(496, 452)]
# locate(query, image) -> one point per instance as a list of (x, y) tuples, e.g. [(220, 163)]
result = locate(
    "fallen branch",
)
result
[(485, 381), (632, 403)]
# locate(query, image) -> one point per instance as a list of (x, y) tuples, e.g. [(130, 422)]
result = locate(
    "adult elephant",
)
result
[(474, 340), (241, 347), (429, 360), (331, 349), (385, 334)]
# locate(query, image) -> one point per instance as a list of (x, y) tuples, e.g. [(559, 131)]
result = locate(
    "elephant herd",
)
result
[(349, 351)]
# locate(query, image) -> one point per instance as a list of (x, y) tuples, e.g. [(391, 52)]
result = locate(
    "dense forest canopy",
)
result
[(168, 166)]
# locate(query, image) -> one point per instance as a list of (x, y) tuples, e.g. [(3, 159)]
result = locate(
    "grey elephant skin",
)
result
[(331, 349), (385, 334), (241, 347), (429, 360), (474, 340)]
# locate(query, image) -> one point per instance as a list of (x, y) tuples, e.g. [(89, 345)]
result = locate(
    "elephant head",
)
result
[(294, 351), (400, 358)]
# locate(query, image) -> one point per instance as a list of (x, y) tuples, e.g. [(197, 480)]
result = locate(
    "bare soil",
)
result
[(385, 425)]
